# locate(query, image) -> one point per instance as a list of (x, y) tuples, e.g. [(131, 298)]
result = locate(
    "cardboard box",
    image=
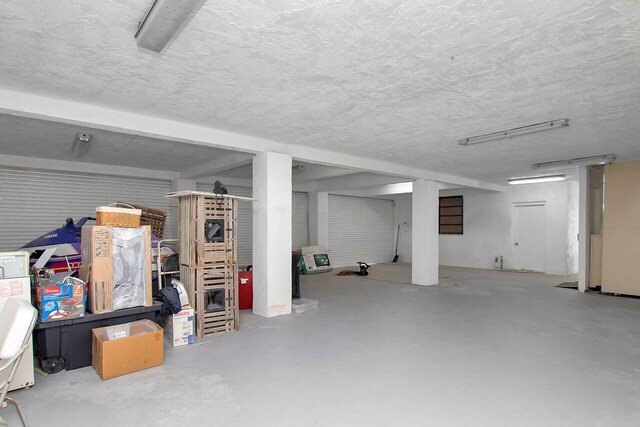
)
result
[(180, 328), (14, 265), (122, 349), (61, 301), (99, 253)]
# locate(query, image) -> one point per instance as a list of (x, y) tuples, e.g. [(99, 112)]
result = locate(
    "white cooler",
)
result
[(17, 264)]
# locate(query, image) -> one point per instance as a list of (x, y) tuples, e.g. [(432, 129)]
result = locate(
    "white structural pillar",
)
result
[(584, 228), (424, 235), (272, 234), (319, 219)]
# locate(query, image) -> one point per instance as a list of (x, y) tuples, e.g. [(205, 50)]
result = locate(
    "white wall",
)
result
[(487, 230), (488, 226), (573, 227)]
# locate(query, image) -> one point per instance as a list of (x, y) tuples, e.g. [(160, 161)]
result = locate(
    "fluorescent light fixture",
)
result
[(537, 179), (81, 144), (510, 133), (163, 20), (578, 161)]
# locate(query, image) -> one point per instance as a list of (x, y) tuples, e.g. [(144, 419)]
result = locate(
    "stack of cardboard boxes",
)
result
[(116, 264)]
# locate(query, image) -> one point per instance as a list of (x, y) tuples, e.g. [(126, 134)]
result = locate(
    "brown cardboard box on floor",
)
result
[(122, 349), (98, 268)]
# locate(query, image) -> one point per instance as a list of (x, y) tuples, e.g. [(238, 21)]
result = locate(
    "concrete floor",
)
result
[(482, 349)]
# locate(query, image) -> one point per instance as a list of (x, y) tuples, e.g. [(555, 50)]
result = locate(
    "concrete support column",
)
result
[(424, 235), (319, 219), (272, 234), (584, 228)]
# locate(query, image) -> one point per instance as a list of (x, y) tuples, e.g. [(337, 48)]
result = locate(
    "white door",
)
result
[(528, 237)]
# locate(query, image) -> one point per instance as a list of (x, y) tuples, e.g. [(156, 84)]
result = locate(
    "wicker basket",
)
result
[(153, 217), (118, 217)]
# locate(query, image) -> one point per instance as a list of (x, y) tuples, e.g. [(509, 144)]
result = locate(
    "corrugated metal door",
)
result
[(360, 229), (35, 202), (300, 221)]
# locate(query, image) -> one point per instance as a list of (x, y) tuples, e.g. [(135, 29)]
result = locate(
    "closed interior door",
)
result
[(528, 243)]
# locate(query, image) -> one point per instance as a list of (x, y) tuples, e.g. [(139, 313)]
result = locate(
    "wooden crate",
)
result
[(195, 214), (199, 282), (206, 264)]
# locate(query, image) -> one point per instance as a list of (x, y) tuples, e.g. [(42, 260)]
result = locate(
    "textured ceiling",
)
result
[(393, 80)]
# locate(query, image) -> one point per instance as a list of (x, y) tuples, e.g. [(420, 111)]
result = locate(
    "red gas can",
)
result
[(245, 290)]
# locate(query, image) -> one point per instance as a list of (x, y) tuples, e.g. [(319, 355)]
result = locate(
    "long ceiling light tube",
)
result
[(509, 133), (537, 179), (163, 20), (591, 160)]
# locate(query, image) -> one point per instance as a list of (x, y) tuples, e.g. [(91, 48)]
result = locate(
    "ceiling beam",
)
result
[(378, 190), (45, 108), (22, 162), (215, 166), (347, 182), (314, 172)]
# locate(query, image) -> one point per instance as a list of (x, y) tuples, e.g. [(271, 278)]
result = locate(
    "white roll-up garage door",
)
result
[(360, 229), (35, 202), (299, 221)]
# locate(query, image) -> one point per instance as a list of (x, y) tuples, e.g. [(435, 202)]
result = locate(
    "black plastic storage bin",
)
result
[(71, 339)]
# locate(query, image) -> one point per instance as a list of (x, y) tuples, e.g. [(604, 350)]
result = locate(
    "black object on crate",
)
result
[(71, 339)]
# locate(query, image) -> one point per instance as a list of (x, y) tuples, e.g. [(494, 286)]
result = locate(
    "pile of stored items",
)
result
[(115, 286), (111, 299), (94, 284)]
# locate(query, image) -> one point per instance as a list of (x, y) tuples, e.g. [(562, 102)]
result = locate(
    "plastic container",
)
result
[(71, 339), (245, 290)]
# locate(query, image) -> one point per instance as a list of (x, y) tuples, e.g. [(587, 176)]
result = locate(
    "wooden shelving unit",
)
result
[(208, 259)]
